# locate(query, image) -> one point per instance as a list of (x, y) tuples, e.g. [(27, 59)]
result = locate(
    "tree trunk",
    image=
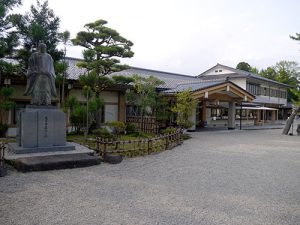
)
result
[(290, 120)]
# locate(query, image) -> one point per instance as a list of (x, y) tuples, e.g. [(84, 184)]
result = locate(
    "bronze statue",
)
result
[(40, 77)]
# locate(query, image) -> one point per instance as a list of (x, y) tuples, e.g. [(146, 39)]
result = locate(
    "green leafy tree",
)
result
[(244, 66), (78, 118), (103, 48), (38, 25), (254, 70), (122, 80), (144, 94), (6, 104), (8, 41), (64, 37), (162, 109), (8, 37), (269, 73), (285, 72), (185, 104), (60, 69)]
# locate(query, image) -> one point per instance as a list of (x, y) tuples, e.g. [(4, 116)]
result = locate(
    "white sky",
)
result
[(190, 36)]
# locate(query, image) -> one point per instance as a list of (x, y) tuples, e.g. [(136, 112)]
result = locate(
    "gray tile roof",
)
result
[(171, 79), (74, 71), (195, 86), (240, 73)]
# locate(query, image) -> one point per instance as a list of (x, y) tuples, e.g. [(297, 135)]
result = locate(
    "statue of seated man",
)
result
[(40, 77)]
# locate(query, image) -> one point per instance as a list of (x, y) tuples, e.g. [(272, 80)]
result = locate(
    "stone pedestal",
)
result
[(41, 129)]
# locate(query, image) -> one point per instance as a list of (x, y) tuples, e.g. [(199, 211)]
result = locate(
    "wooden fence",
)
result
[(138, 147), (144, 124)]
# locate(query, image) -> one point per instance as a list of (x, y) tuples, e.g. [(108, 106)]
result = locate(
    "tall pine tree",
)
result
[(103, 48)]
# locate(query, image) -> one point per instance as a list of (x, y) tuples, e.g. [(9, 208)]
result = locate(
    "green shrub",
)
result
[(169, 130), (103, 132), (118, 126), (140, 134), (130, 128)]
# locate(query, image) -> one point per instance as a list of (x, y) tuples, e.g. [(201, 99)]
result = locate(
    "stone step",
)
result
[(54, 162)]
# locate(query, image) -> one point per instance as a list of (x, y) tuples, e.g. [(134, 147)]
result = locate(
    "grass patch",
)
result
[(8, 140)]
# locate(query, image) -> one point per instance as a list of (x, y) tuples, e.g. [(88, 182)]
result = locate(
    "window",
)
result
[(264, 91), (253, 88), (219, 113)]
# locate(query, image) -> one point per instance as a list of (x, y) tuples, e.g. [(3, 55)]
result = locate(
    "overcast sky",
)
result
[(190, 36)]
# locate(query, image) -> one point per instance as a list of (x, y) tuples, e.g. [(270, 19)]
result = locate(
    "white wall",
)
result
[(108, 96), (241, 82), (218, 68)]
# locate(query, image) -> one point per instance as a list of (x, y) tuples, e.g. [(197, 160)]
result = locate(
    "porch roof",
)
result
[(219, 89)]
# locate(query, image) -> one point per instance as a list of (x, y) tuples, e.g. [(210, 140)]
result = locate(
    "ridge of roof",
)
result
[(165, 72), (247, 74), (144, 69), (203, 81)]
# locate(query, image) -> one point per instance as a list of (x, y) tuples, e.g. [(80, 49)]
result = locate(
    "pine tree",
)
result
[(103, 48)]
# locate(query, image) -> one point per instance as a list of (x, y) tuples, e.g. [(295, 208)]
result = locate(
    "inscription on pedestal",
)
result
[(45, 128)]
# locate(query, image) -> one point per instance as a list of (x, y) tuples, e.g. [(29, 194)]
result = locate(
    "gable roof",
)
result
[(171, 79), (237, 73), (220, 86)]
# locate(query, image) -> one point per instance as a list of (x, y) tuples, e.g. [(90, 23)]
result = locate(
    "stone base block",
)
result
[(14, 147), (55, 162), (80, 157)]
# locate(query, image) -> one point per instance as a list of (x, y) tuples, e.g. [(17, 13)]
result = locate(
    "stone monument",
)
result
[(41, 127)]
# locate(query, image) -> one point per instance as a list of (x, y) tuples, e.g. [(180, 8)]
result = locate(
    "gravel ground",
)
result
[(223, 177)]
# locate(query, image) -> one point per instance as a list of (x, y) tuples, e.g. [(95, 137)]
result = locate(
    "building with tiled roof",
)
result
[(218, 91)]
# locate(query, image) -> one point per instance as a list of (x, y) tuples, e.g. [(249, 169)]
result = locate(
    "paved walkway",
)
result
[(226, 177)]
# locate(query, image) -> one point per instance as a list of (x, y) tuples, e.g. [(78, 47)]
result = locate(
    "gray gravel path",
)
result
[(237, 177)]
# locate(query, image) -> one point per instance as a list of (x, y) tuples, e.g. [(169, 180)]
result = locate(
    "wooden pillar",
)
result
[(122, 107), (203, 119), (273, 116), (258, 115)]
